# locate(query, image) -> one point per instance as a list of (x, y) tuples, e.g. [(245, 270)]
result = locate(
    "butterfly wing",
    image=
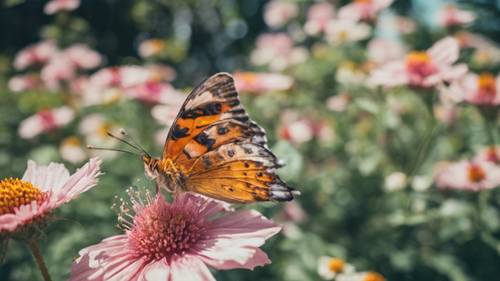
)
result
[(221, 149)]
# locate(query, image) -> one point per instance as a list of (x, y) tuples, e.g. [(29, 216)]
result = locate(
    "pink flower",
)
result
[(262, 82), (489, 154), (41, 190), (468, 175), (59, 69), (278, 13), (82, 56), (382, 50), (21, 83), (338, 102), (450, 16), (341, 31), (277, 50), (423, 69), (71, 150), (165, 113), (38, 53), (176, 241), (55, 6), (151, 47), (318, 17), (151, 92), (45, 121), (366, 10), (483, 89)]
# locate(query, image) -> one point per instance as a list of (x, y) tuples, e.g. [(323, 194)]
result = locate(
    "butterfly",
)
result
[(213, 148)]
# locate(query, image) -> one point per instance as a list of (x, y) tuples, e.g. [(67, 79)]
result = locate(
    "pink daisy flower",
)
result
[(423, 68), (366, 10), (278, 13), (41, 190), (450, 16), (45, 121), (318, 17), (176, 241), (489, 154), (55, 6), (468, 175), (262, 82), (38, 53), (482, 89)]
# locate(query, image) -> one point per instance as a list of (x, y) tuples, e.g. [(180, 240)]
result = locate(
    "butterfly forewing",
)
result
[(223, 151)]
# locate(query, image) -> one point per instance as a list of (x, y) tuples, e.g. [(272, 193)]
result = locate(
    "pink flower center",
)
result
[(165, 231), (419, 65), (486, 85), (48, 120), (476, 173)]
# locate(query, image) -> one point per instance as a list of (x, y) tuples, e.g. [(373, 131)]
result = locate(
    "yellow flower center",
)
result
[(336, 265), (476, 173), (72, 141), (15, 192), (373, 276), (487, 84), (248, 77), (104, 129), (417, 58)]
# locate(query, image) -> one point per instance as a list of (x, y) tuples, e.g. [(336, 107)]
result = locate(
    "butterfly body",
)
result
[(215, 149)]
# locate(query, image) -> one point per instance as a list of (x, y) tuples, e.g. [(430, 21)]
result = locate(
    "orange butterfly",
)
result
[(215, 149)]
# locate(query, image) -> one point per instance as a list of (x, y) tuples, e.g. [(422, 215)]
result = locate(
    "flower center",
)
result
[(104, 129), (373, 276), (336, 265), (419, 65), (492, 155), (476, 173), (72, 141), (487, 85), (164, 232), (15, 192)]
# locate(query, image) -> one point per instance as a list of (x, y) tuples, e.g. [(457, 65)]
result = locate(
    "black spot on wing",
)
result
[(222, 130), (178, 132), (204, 140), (213, 108)]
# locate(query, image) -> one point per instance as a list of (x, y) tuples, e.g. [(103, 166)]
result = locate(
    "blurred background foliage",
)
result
[(340, 159)]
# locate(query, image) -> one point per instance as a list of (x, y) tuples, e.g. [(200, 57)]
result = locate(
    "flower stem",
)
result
[(35, 250)]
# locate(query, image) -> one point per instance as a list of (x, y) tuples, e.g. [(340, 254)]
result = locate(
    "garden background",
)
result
[(366, 158)]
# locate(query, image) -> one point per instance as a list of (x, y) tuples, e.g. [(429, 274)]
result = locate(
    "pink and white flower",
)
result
[(262, 82), (298, 130), (489, 154), (21, 83), (59, 68), (41, 190), (55, 6), (366, 10), (342, 31), (277, 50), (468, 175), (72, 151), (318, 17), (82, 56), (330, 268), (381, 50), (45, 121), (338, 102), (38, 53), (482, 89), (176, 241), (278, 13), (151, 92), (95, 128), (450, 16), (423, 69)]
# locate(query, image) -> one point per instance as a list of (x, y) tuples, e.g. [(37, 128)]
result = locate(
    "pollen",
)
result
[(417, 58), (476, 173), (487, 84), (336, 265), (373, 276), (15, 192)]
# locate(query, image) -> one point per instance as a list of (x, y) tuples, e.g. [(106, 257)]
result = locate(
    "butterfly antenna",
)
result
[(110, 149), (131, 139), (140, 149)]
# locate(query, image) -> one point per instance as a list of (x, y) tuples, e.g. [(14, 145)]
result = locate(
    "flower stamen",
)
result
[(15, 192)]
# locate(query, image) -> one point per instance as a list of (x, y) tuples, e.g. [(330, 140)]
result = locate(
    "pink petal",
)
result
[(189, 269), (81, 181), (234, 240), (155, 271), (51, 177), (445, 51)]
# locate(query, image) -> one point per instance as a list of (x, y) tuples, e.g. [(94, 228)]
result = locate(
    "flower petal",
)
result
[(51, 177), (189, 269)]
